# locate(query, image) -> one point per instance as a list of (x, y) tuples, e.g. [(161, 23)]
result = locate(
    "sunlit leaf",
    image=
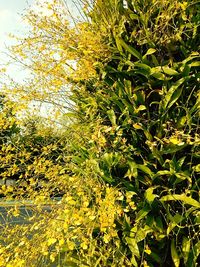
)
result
[(169, 71), (185, 248), (173, 93), (174, 254), (133, 246), (185, 199), (149, 194), (130, 49)]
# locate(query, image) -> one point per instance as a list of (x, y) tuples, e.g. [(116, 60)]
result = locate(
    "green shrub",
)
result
[(147, 100), (129, 165)]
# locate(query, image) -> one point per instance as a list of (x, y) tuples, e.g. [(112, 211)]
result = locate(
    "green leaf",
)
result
[(195, 64), (107, 177), (192, 56), (134, 16), (197, 168), (141, 233), (118, 44), (157, 154), (142, 213), (196, 250), (132, 171), (185, 248), (140, 108), (180, 162), (161, 173), (142, 72), (112, 117), (133, 261), (132, 243), (148, 135), (174, 222), (173, 94), (169, 71), (185, 69), (145, 169), (150, 51), (128, 88), (171, 148), (154, 60), (174, 254), (149, 194), (130, 49), (181, 177), (183, 198), (159, 76), (143, 66)]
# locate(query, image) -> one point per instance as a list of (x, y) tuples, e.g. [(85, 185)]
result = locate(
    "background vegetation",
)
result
[(126, 160)]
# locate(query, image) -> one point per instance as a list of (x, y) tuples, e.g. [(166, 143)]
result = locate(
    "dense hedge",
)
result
[(146, 100), (128, 162)]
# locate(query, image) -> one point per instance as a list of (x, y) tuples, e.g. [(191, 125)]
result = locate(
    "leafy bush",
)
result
[(147, 98), (130, 166)]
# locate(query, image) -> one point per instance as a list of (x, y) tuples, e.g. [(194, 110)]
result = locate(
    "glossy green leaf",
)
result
[(145, 169), (142, 213), (149, 194), (159, 76), (141, 233), (175, 220), (169, 71), (133, 246), (181, 177), (118, 44), (128, 88), (132, 170), (185, 199), (185, 248), (171, 148), (197, 168), (191, 56), (180, 162), (174, 254), (140, 108), (150, 51), (173, 93), (157, 154), (161, 173), (130, 49), (195, 64), (133, 261), (143, 66), (111, 116)]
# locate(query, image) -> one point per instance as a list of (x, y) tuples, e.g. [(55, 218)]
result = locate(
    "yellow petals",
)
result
[(51, 241)]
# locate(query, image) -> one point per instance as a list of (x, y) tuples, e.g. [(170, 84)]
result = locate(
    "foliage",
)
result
[(128, 164)]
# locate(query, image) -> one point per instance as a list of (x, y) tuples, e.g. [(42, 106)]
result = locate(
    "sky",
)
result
[(10, 19), (11, 22), (11, 12)]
